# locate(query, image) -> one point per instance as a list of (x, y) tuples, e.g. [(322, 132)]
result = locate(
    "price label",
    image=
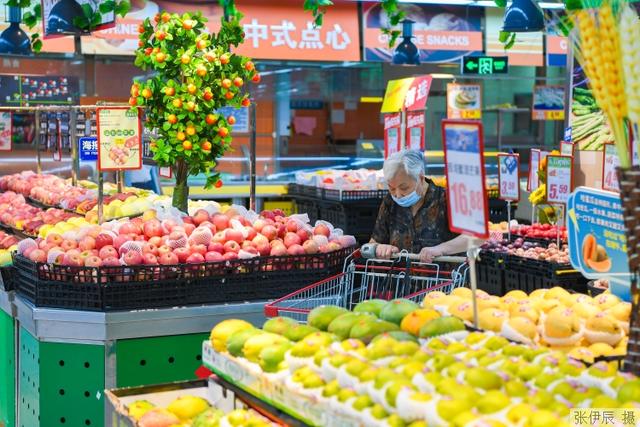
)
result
[(548, 115), (508, 167), (534, 163), (464, 101), (415, 130), (470, 115), (559, 178), (566, 148), (464, 167), (548, 103), (391, 134), (164, 172), (609, 165)]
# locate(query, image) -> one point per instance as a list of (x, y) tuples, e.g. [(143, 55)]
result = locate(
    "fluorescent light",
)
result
[(453, 2), (485, 3), (550, 5), (371, 99), (442, 76)]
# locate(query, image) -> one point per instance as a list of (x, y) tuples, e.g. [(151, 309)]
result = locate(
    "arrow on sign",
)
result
[(499, 64), (472, 65)]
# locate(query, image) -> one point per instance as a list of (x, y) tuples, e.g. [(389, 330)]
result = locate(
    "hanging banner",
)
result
[(597, 240), (392, 124), (442, 33), (6, 131), (508, 177), (415, 131), (464, 101), (119, 139), (609, 165), (88, 148), (279, 30), (548, 103), (557, 47), (464, 168), (408, 94), (559, 178)]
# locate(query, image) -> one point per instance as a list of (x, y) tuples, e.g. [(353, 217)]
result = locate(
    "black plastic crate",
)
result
[(355, 219), (547, 274), (309, 207), (353, 195), (305, 190), (490, 279), (498, 211), (8, 278)]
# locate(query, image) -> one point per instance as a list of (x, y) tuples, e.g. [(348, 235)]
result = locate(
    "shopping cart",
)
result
[(363, 279)]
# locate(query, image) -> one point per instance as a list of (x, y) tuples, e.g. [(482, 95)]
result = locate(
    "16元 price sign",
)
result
[(559, 178), (464, 166), (609, 165), (508, 181)]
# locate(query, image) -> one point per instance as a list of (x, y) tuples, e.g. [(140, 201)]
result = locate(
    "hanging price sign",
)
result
[(392, 124), (415, 130), (567, 148), (464, 167), (508, 181), (609, 165), (559, 178)]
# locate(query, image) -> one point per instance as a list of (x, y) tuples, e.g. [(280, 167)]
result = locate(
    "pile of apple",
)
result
[(16, 213), (192, 240), (7, 240), (541, 231), (532, 250)]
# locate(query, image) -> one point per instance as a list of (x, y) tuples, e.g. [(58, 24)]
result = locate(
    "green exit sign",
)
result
[(485, 65)]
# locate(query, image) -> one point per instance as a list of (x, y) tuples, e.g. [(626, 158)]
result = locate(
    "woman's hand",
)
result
[(428, 254), (385, 251)]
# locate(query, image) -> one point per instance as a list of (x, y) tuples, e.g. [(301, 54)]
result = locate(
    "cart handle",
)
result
[(446, 258)]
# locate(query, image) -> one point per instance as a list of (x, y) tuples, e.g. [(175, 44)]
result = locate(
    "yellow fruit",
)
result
[(492, 319), (187, 406), (223, 330), (413, 321)]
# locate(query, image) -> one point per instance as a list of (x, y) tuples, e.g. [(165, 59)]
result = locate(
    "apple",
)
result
[(303, 234), (259, 224), (295, 249), (238, 82), (200, 216), (292, 226), (72, 259), (282, 230), (66, 245), (247, 244), (278, 250), (37, 255), (201, 70), (219, 237), (102, 240), (155, 240), (182, 254), (230, 256), (111, 262), (213, 256), (291, 239), (201, 44), (334, 246), (234, 235), (30, 249), (208, 95), (87, 243), (129, 228), (267, 215), (270, 232), (168, 225), (320, 239), (168, 258), (152, 228), (250, 252), (250, 232), (322, 229), (149, 248), (55, 239), (132, 258), (200, 249), (107, 251), (226, 83), (232, 246), (215, 247), (264, 249), (220, 221), (195, 258), (164, 249), (188, 228), (310, 247), (93, 261), (260, 239), (149, 259), (85, 254)]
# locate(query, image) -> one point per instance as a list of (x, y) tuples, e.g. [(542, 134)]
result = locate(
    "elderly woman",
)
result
[(413, 216)]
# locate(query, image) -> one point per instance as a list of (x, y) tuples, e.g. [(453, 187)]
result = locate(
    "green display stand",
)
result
[(7, 361), (68, 358)]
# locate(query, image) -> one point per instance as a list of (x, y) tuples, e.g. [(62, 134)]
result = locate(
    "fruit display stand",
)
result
[(68, 358)]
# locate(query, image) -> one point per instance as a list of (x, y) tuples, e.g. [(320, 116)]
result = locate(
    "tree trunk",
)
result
[(181, 190)]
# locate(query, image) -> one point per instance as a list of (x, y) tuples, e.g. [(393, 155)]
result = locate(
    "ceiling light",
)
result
[(448, 2), (442, 76)]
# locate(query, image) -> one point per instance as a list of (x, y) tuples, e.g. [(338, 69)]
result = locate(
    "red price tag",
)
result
[(464, 167)]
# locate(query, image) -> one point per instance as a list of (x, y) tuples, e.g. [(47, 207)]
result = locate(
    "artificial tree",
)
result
[(194, 75)]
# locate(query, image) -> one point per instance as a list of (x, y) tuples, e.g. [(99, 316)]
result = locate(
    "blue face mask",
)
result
[(408, 200)]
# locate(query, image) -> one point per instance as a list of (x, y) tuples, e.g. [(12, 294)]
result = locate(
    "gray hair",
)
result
[(411, 160)]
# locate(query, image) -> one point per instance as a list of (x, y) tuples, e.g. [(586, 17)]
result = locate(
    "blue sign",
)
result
[(567, 134), (88, 148), (597, 240)]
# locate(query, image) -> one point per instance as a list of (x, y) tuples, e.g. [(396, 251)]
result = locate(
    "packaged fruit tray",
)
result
[(270, 389), (112, 288)]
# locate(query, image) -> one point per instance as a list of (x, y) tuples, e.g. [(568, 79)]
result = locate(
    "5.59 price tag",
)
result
[(559, 178), (609, 165), (508, 180), (464, 167)]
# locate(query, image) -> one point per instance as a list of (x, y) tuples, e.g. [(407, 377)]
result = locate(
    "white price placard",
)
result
[(508, 179), (566, 148), (609, 165), (165, 172), (534, 163), (559, 178), (464, 167)]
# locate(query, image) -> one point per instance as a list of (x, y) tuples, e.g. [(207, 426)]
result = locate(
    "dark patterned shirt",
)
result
[(397, 226)]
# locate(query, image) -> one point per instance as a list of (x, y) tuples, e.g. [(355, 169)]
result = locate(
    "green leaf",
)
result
[(511, 42), (504, 36), (107, 7), (37, 45), (500, 3), (122, 8), (166, 126)]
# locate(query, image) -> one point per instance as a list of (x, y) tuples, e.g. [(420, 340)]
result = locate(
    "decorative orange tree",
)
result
[(194, 75)]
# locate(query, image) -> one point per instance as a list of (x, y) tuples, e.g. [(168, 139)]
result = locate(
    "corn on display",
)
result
[(630, 41)]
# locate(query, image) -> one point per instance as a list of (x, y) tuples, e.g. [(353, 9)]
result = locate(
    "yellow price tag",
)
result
[(470, 114), (367, 146), (554, 115)]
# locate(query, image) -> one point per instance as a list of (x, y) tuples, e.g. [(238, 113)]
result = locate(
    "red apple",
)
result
[(234, 235), (149, 259), (129, 228), (251, 233), (215, 247), (260, 239), (55, 239), (140, 238), (149, 248), (264, 249), (292, 226), (291, 239), (282, 230), (200, 216), (111, 262), (102, 240), (322, 229), (30, 249), (267, 215), (247, 244), (210, 226), (232, 246), (37, 255), (229, 256), (66, 245), (278, 250), (156, 240), (93, 261), (107, 252), (188, 228), (295, 250), (168, 225), (310, 247), (303, 234), (220, 221), (195, 258), (182, 254), (219, 237), (334, 246), (133, 258), (259, 224), (152, 228), (168, 258), (187, 220), (119, 241), (164, 249), (213, 256), (270, 232), (200, 249), (87, 243), (250, 252), (72, 260)]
